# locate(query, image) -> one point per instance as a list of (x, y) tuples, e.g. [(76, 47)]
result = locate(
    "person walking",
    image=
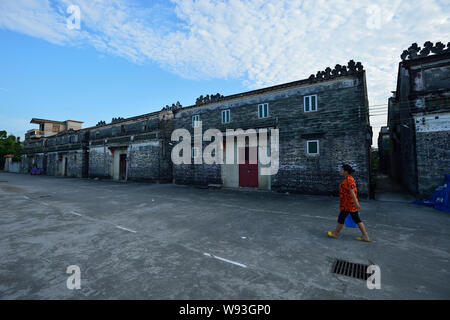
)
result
[(349, 204)]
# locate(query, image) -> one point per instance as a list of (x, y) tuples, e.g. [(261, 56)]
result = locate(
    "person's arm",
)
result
[(352, 192)]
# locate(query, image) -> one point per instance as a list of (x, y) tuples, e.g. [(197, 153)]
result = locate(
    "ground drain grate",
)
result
[(350, 269)]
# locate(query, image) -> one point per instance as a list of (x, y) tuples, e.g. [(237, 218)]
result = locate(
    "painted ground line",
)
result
[(101, 221), (225, 260), (119, 227)]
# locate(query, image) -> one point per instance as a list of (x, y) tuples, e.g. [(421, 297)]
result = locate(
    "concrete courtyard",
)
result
[(151, 241)]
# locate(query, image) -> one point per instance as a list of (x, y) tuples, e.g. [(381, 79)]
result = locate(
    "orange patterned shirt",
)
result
[(346, 200)]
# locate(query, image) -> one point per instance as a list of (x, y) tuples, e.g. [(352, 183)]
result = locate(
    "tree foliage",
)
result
[(375, 159), (8, 145)]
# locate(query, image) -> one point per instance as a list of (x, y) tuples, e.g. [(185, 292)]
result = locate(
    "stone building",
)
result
[(131, 149), (49, 128), (383, 150), (125, 149), (419, 118), (322, 122), (62, 154)]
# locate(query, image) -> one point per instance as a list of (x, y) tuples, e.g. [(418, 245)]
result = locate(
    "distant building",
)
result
[(383, 150), (323, 122), (419, 119), (49, 128), (55, 147)]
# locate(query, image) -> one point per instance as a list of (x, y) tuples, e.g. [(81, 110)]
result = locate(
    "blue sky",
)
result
[(133, 57), (57, 82)]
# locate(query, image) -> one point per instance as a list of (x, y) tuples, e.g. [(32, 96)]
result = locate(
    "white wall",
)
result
[(433, 123), (12, 166)]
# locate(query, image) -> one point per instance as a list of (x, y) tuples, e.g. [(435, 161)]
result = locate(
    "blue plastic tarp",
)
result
[(440, 199), (36, 171)]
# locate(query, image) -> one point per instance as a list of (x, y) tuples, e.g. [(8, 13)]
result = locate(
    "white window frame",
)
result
[(310, 104), (225, 112), (307, 147), (194, 152), (261, 116), (195, 121)]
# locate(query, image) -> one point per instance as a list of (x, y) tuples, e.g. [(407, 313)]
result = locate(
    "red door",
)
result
[(248, 173)]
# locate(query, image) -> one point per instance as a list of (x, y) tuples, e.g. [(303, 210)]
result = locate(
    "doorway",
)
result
[(123, 167), (44, 164), (62, 165), (248, 172), (65, 160)]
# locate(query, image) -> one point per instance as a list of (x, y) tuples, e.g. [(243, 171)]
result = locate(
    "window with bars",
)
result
[(263, 110), (310, 103), (195, 121), (312, 147), (225, 116), (195, 152)]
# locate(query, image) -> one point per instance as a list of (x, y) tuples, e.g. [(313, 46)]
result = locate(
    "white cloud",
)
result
[(33, 17), (260, 42)]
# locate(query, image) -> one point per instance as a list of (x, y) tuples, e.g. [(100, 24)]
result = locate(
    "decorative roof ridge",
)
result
[(351, 68), (416, 52)]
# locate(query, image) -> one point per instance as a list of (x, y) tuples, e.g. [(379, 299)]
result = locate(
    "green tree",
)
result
[(375, 159), (8, 145)]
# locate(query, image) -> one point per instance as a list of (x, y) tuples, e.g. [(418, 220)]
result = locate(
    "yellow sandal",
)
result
[(362, 239), (331, 235)]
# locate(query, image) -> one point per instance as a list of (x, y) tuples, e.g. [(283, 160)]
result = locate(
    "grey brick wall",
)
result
[(422, 88), (45, 153), (24, 168), (320, 174), (144, 161), (166, 126), (132, 127), (340, 125), (75, 164), (28, 161), (197, 174), (52, 164), (433, 160), (100, 161)]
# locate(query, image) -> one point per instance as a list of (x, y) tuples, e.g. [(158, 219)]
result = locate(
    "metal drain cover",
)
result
[(350, 269)]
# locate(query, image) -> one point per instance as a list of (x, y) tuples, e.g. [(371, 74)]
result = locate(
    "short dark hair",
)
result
[(348, 168)]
